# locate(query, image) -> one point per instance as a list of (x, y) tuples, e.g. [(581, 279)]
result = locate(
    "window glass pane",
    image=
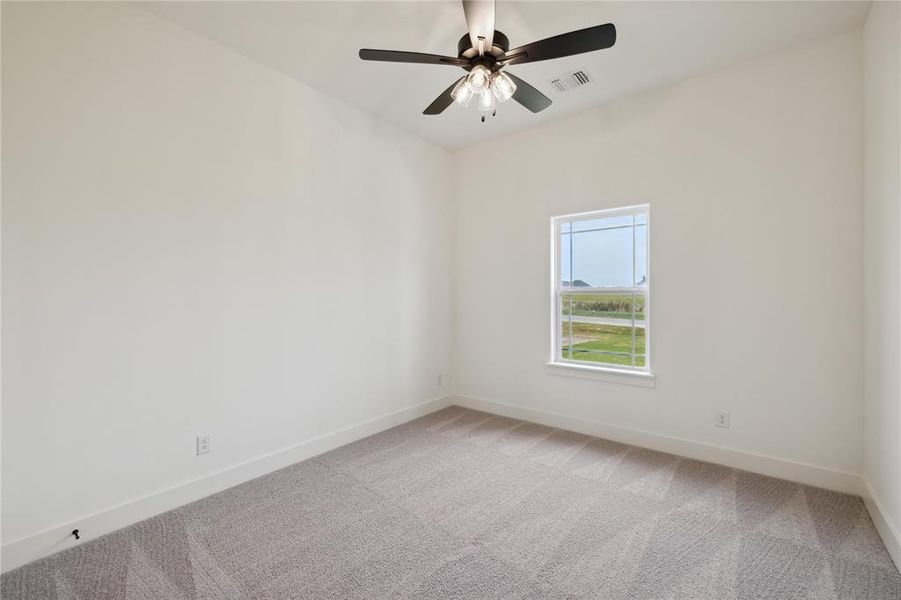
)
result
[(603, 223), (641, 255), (602, 258), (603, 252), (565, 256), (640, 348), (601, 329), (565, 316)]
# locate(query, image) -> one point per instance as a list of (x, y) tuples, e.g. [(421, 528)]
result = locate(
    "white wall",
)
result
[(754, 178), (882, 190), (195, 243)]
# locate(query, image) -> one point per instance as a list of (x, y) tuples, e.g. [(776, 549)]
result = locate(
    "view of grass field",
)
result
[(610, 341), (595, 343)]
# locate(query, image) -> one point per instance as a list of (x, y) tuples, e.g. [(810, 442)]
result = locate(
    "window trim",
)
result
[(584, 367)]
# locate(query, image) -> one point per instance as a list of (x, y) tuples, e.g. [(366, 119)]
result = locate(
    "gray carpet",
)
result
[(462, 504)]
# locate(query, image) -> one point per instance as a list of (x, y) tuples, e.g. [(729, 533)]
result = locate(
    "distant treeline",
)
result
[(603, 305)]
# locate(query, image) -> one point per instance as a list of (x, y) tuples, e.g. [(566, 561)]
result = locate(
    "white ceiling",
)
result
[(657, 43)]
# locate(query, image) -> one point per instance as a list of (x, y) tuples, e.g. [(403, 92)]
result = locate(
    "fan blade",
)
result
[(566, 44), (410, 57), (443, 101), (529, 96), (480, 21)]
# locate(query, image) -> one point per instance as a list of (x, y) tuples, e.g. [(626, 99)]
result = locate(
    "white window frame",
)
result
[(558, 364)]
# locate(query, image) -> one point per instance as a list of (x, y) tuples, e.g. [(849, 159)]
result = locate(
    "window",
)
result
[(601, 301)]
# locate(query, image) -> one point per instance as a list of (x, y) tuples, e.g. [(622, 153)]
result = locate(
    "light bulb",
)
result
[(487, 101), (502, 86), (479, 78), (462, 92)]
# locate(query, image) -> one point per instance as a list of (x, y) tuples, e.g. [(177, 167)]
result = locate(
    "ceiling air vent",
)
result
[(570, 81)]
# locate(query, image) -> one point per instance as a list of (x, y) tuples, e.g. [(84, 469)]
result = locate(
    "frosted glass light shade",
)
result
[(502, 86), (462, 92), (479, 79), (487, 101)]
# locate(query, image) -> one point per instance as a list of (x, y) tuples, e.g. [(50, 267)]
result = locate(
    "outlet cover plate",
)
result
[(203, 443), (722, 419)]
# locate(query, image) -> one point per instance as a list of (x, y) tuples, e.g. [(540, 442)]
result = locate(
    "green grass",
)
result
[(604, 338)]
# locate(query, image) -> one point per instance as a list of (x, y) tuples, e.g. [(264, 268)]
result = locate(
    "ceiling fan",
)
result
[(484, 52)]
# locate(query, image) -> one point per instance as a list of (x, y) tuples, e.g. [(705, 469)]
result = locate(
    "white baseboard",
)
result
[(888, 530), (832, 479), (25, 550)]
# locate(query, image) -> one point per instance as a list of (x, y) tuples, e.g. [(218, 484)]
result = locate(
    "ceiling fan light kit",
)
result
[(484, 52), (499, 88)]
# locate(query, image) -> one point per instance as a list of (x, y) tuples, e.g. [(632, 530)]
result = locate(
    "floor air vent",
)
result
[(570, 81)]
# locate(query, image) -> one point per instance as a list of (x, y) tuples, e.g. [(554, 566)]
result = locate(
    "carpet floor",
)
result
[(463, 504)]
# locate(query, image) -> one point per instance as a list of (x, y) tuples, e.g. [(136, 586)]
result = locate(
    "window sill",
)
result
[(606, 374)]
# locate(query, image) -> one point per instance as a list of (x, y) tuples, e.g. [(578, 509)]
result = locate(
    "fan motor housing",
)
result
[(499, 45)]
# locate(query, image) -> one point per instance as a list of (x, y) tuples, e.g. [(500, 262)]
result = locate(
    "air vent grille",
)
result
[(570, 81)]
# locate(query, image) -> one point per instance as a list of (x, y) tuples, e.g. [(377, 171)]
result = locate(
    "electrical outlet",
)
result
[(722, 419), (203, 443), (440, 379)]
